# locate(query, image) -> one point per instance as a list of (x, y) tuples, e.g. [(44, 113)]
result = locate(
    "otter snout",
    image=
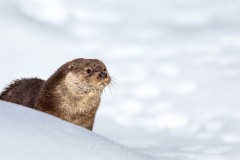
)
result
[(104, 78), (103, 75)]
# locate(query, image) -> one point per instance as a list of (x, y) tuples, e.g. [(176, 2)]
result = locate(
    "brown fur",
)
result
[(71, 93)]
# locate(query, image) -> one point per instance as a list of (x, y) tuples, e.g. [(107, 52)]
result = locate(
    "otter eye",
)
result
[(88, 70), (104, 70)]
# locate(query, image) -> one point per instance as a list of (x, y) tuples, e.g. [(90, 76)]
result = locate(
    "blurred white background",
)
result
[(177, 65)]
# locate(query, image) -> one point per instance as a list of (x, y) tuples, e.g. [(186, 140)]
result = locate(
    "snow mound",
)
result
[(28, 134)]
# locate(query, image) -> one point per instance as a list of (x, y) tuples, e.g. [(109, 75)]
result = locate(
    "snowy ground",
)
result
[(177, 64), (38, 136)]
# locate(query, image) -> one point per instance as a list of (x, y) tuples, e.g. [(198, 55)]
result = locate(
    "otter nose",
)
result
[(103, 75)]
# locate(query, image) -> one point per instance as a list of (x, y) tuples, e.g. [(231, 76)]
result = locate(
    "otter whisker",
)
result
[(109, 87), (114, 79), (115, 82), (104, 92)]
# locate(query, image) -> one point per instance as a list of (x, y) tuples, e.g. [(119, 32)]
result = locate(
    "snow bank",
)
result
[(28, 134)]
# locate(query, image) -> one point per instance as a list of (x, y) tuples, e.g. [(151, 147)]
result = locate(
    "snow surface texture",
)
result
[(177, 64), (28, 134)]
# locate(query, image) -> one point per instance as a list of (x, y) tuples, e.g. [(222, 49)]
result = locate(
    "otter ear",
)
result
[(71, 66)]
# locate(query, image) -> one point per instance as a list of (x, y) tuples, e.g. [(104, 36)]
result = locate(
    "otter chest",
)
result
[(80, 105)]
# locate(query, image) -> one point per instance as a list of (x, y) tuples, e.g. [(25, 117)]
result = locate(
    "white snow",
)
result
[(29, 134), (176, 65)]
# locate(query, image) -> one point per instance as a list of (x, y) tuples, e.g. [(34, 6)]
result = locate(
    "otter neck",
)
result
[(79, 107)]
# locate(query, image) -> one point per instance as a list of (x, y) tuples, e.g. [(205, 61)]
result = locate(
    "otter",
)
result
[(72, 93)]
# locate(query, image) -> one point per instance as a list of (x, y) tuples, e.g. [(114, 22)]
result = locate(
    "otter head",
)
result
[(86, 76)]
